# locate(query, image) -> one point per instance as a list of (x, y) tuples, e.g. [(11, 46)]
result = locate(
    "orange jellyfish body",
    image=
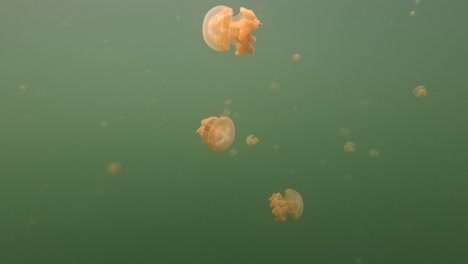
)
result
[(291, 204), (217, 133), (221, 29)]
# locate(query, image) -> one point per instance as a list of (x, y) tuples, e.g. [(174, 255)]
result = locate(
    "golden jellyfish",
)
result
[(221, 29), (251, 140), (290, 204), (349, 147), (217, 133), (296, 57), (420, 91), (114, 168)]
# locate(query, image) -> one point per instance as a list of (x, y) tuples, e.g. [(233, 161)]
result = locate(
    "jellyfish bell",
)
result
[(420, 91), (296, 57), (349, 147), (217, 133), (216, 27), (251, 140), (291, 204), (221, 29), (295, 203), (113, 168)]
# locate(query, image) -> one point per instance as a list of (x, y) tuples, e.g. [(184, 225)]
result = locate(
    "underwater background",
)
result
[(85, 84)]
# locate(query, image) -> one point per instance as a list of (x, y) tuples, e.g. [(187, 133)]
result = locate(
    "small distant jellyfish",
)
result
[(374, 153), (412, 13), (251, 140), (221, 29), (217, 133), (290, 204), (420, 91), (349, 147), (417, 2), (114, 168), (296, 57)]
